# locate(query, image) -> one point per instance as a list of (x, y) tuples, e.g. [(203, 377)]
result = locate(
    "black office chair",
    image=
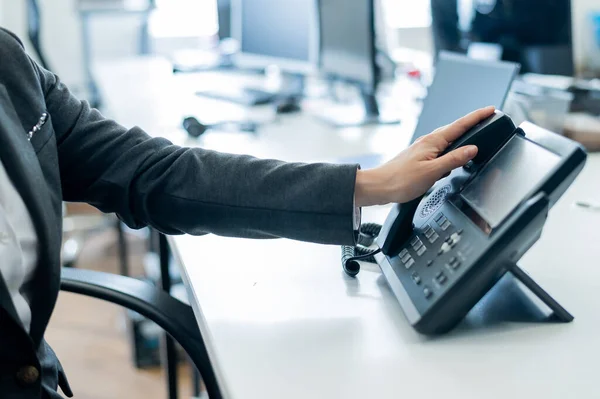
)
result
[(175, 317)]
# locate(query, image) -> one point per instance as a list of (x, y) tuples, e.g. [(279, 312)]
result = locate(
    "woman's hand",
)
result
[(412, 172)]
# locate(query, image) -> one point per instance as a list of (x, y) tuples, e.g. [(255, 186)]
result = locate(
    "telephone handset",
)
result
[(489, 136)]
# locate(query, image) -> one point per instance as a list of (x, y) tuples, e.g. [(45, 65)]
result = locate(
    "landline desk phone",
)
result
[(441, 254)]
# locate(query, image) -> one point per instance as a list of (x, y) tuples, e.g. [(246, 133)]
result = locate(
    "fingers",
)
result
[(455, 159), (457, 128)]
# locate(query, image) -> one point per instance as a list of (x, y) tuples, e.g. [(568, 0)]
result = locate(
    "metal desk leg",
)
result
[(123, 250), (144, 39), (87, 60), (169, 352)]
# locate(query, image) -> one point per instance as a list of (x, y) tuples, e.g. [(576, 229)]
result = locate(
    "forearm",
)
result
[(149, 181)]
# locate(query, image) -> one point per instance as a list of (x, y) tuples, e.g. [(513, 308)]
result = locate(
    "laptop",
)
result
[(461, 85)]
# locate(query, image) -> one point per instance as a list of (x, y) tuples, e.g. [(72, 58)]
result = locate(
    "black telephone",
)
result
[(441, 254)]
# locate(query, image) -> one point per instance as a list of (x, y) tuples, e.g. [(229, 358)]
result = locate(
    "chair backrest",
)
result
[(172, 315)]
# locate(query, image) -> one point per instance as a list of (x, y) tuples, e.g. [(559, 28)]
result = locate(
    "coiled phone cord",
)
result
[(351, 255)]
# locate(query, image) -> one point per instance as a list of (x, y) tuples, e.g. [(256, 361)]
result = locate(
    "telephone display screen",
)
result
[(506, 180)]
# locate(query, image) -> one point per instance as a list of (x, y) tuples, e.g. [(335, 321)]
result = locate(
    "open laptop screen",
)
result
[(461, 85)]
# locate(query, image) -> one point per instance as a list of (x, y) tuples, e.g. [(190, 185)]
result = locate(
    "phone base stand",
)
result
[(560, 313), (515, 298)]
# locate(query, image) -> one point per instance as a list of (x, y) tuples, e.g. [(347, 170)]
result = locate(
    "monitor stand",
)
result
[(367, 112)]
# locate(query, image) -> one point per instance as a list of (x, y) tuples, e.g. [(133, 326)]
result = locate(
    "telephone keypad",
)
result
[(425, 273)]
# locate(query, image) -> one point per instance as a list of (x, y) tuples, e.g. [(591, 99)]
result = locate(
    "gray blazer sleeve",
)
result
[(150, 181)]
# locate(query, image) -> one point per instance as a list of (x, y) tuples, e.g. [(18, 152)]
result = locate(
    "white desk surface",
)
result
[(281, 320)]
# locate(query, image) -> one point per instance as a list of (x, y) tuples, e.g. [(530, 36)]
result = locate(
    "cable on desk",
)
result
[(351, 255)]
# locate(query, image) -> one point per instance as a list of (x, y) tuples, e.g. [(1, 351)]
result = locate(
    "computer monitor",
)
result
[(461, 85), (347, 37), (535, 33), (224, 18), (348, 49), (276, 32)]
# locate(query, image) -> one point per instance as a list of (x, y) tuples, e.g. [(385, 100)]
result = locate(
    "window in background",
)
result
[(184, 18), (407, 13)]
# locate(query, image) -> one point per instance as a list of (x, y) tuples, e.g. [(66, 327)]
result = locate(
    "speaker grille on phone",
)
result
[(435, 200)]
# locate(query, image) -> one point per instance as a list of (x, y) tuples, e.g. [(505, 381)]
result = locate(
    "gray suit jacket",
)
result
[(78, 155)]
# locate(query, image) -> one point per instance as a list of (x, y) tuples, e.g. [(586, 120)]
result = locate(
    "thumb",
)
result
[(455, 159)]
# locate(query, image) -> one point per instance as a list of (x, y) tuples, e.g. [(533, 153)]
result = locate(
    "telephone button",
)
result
[(422, 250), (404, 256), (429, 263), (414, 241), (427, 292), (445, 224), (434, 237), (418, 245), (429, 232), (416, 278), (441, 278), (453, 264), (409, 264), (445, 248), (439, 217)]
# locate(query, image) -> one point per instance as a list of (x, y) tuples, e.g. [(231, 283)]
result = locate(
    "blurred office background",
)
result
[(181, 24), (109, 353)]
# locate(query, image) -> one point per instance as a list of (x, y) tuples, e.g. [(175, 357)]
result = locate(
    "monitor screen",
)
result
[(347, 35), (281, 29), (461, 85), (535, 33), (508, 179)]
